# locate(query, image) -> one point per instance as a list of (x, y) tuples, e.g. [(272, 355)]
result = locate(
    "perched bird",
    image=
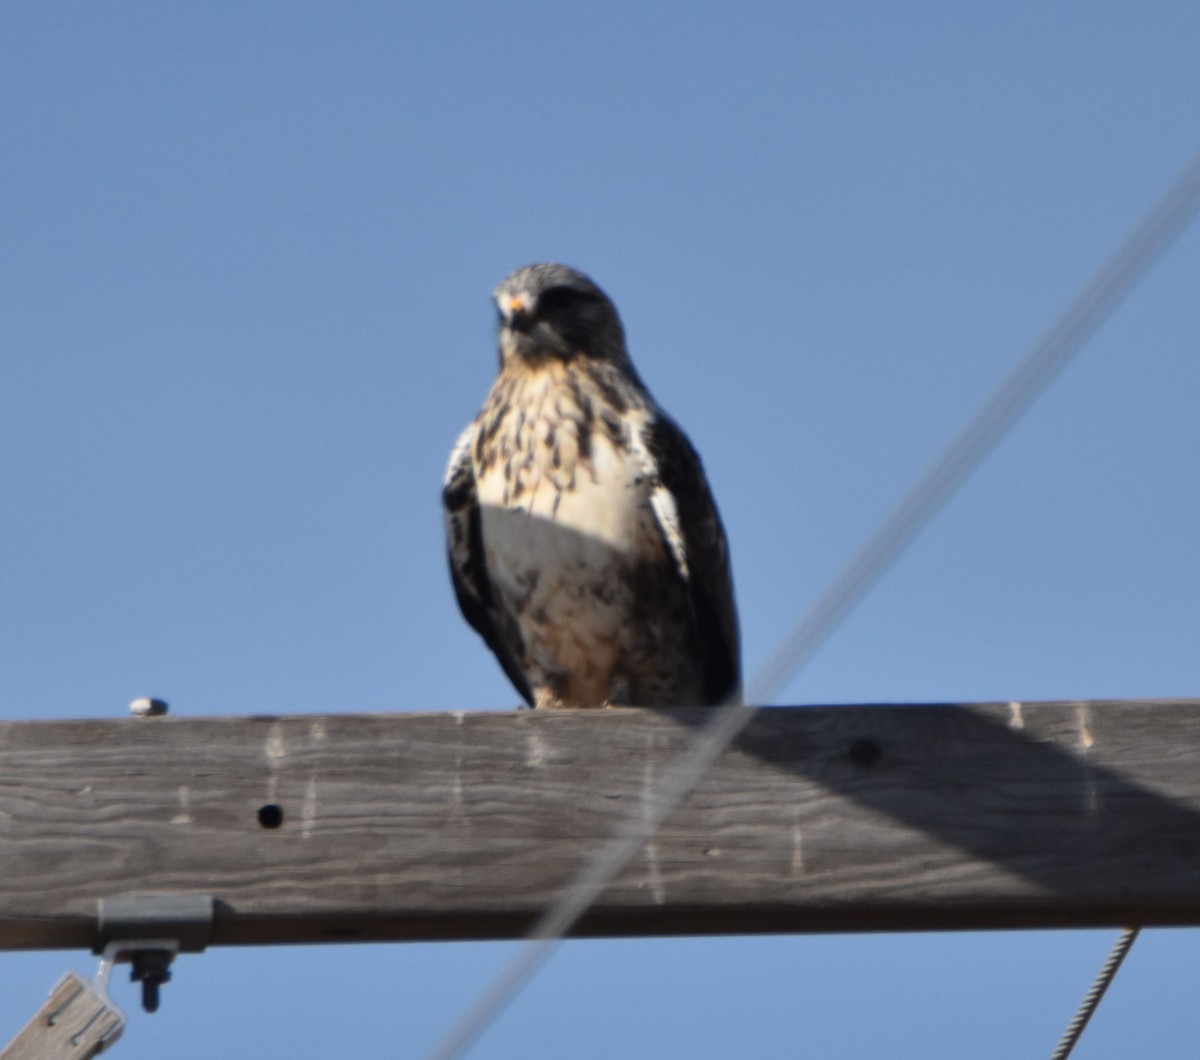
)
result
[(585, 547)]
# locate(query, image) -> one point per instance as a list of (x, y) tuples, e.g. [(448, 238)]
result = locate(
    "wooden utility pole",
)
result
[(465, 825)]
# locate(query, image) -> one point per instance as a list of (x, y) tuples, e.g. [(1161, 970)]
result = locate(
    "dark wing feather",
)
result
[(709, 580), (468, 564)]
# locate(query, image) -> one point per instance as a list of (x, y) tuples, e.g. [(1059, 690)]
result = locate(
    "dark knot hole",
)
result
[(270, 816)]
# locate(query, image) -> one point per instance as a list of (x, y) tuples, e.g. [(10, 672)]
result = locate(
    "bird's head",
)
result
[(553, 311)]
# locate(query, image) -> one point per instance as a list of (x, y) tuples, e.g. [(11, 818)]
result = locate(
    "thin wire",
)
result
[(1091, 1000), (1132, 259)]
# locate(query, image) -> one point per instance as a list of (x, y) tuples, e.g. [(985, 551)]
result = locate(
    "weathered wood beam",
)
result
[(464, 825)]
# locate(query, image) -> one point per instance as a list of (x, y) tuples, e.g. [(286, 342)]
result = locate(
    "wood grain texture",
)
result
[(464, 825), (75, 1023)]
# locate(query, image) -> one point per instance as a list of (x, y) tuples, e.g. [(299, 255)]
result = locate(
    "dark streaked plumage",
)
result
[(585, 547)]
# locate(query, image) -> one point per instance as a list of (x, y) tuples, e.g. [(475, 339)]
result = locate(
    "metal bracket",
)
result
[(79, 1019), (150, 961), (187, 918), (148, 930)]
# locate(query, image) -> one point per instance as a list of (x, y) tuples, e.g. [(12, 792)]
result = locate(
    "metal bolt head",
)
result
[(151, 968), (145, 707)]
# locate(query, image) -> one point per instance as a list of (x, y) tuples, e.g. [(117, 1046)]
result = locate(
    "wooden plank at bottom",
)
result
[(75, 1022), (464, 825)]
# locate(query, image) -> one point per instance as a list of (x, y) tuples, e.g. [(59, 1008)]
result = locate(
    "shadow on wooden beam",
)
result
[(465, 825)]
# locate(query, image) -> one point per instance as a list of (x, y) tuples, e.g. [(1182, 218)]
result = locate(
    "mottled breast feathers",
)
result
[(584, 544)]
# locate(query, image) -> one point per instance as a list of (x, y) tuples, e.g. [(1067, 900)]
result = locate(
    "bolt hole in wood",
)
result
[(270, 815), (865, 753)]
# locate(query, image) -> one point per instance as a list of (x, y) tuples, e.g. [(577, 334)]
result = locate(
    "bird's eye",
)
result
[(557, 299)]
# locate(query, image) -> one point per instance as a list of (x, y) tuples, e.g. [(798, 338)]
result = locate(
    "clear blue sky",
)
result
[(245, 258)]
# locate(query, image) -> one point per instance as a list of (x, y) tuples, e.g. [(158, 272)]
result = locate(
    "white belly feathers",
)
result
[(567, 521)]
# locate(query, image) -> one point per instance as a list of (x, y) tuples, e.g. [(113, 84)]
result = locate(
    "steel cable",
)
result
[(1091, 1000)]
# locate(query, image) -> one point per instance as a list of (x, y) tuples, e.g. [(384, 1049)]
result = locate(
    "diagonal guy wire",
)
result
[(1132, 259), (1091, 1000)]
